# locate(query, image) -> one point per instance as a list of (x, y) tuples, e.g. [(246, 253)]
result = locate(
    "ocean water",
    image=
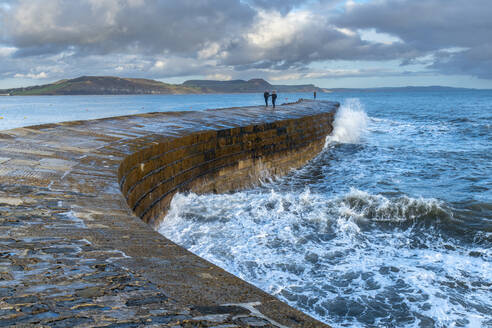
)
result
[(32, 110), (390, 226)]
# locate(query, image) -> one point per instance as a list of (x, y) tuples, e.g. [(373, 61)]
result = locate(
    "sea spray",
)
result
[(350, 123)]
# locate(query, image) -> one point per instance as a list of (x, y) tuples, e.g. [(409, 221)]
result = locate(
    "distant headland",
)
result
[(110, 85)]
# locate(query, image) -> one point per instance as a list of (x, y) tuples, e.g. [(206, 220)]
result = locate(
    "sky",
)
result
[(330, 43)]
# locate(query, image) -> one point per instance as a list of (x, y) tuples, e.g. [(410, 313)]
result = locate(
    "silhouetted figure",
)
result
[(266, 94), (314, 94), (274, 97)]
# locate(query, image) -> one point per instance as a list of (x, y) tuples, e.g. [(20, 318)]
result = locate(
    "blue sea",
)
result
[(389, 226), (32, 110)]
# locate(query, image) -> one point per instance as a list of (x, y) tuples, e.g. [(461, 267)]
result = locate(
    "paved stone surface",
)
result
[(73, 255)]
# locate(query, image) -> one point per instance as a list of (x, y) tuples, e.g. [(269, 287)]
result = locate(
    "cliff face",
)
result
[(108, 85)]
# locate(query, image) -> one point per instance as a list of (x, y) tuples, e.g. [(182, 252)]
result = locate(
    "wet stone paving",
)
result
[(73, 255)]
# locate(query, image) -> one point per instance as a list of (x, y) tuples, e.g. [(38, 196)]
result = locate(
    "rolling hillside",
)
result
[(108, 85)]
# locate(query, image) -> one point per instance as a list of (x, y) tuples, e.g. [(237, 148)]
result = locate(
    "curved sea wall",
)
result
[(73, 248), (218, 161)]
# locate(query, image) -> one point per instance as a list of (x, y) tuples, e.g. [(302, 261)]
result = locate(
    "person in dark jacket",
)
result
[(314, 94), (266, 94), (274, 97)]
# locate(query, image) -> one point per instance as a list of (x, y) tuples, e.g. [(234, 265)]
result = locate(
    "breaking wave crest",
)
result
[(362, 205)]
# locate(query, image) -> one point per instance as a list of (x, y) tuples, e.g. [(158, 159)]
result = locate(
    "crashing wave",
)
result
[(350, 123)]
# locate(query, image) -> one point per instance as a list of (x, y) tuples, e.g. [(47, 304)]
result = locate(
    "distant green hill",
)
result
[(108, 85), (101, 85)]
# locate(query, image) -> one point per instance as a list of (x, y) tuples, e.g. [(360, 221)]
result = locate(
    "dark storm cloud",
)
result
[(433, 25)]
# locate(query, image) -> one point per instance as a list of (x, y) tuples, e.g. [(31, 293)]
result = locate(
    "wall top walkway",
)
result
[(73, 254)]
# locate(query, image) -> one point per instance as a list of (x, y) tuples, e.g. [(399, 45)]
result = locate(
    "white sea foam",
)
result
[(350, 123), (329, 256)]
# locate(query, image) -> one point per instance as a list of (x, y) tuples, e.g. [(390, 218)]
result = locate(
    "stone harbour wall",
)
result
[(78, 201), (218, 161)]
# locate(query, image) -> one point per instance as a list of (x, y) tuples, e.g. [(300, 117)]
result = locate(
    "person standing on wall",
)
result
[(314, 95), (274, 97), (266, 94)]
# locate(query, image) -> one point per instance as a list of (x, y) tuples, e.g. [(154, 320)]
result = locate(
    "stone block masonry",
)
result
[(73, 249), (218, 161)]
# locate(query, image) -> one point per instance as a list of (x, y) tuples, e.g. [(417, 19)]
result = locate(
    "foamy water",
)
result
[(359, 255), (390, 226)]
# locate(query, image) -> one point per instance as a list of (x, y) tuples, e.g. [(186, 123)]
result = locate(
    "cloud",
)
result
[(476, 61), (225, 34), (218, 76), (340, 73), (302, 37), (7, 51), (432, 26), (41, 75), (242, 38), (282, 6), (160, 64), (132, 26)]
